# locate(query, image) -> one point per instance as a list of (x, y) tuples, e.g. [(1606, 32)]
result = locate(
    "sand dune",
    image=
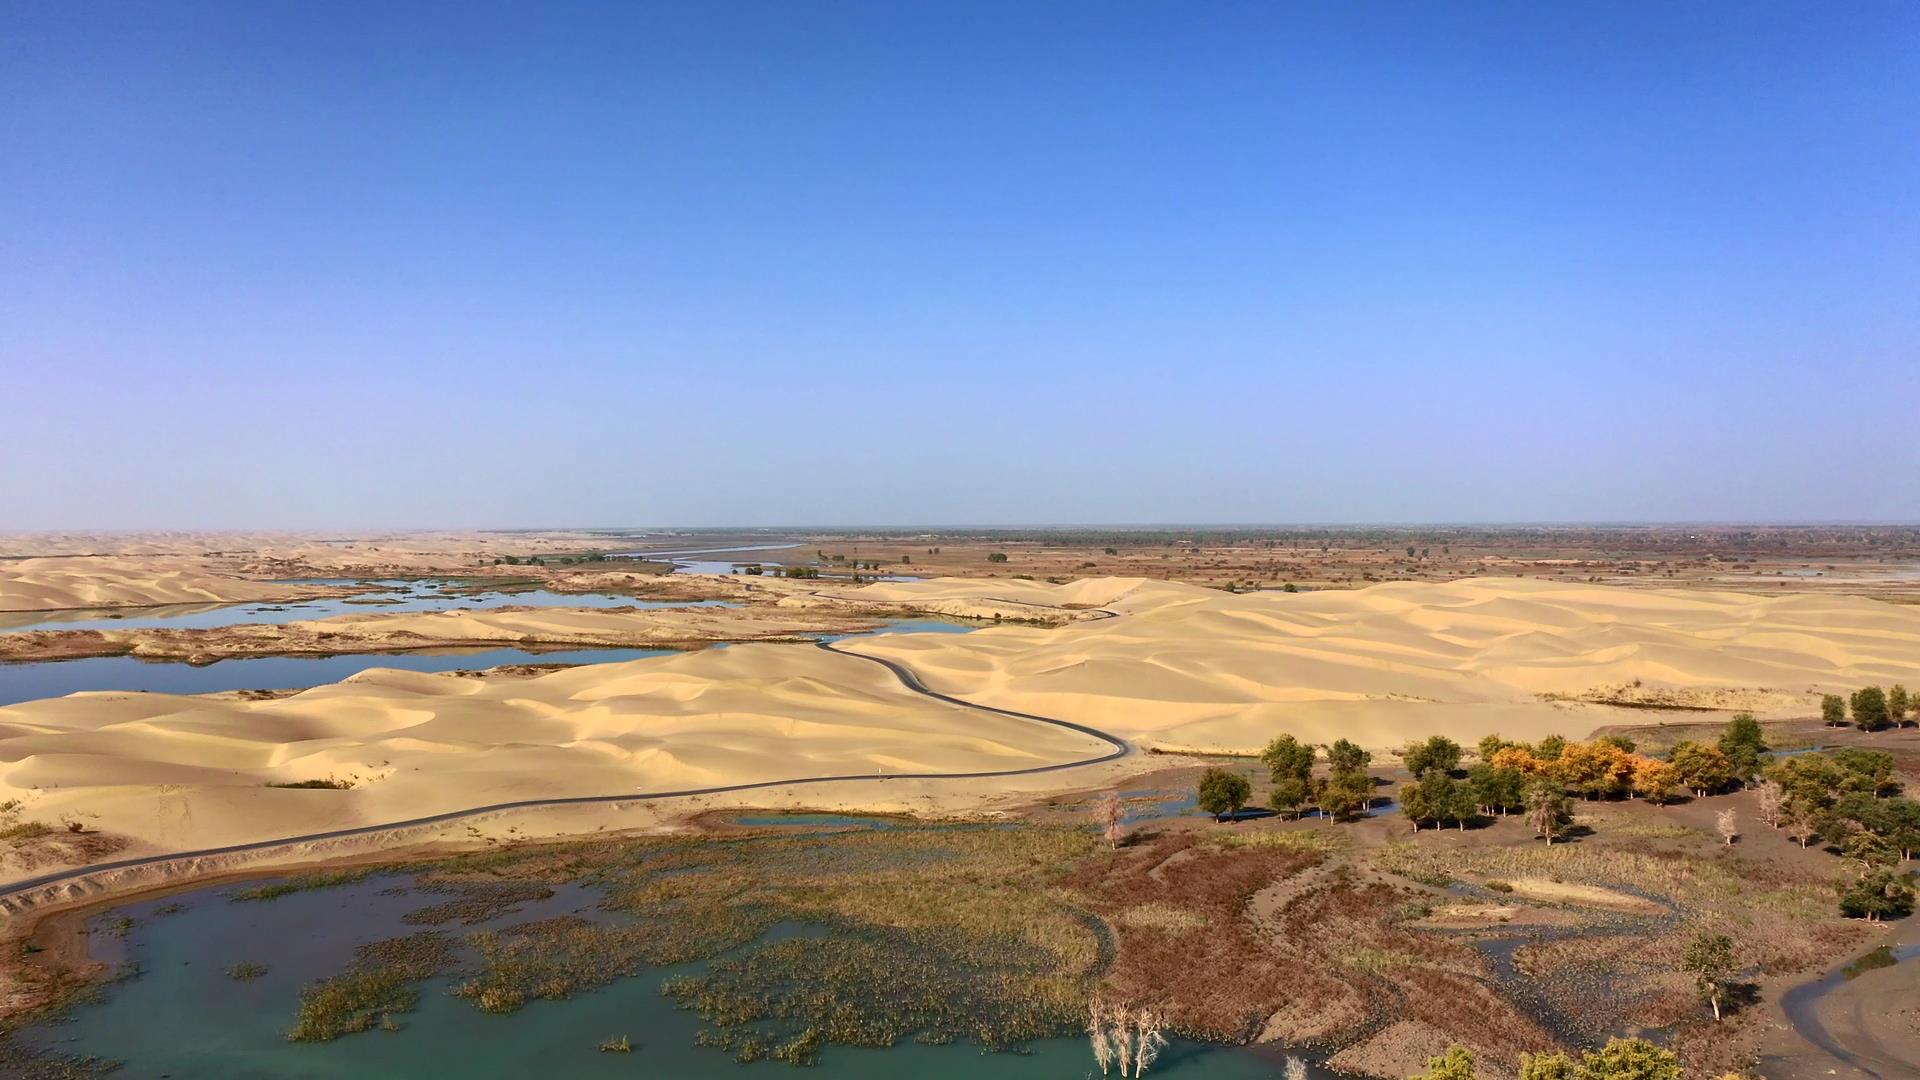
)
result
[(190, 772), (1181, 667), (116, 581), (1195, 668)]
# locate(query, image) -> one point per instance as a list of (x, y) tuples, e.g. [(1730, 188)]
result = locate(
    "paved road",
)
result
[(1118, 748)]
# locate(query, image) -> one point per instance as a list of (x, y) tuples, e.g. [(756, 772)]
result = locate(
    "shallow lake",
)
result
[(182, 1015)]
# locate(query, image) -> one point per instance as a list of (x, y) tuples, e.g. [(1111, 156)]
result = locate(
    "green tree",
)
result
[(1289, 794), (1866, 770), (997, 557), (1223, 793), (1833, 710), (1554, 1066), (1496, 790), (1437, 752), (1287, 757), (1898, 703), (1629, 1059), (1436, 797), (1548, 810), (1491, 745), (1870, 712), (1709, 958), (1346, 794), (1743, 743), (1703, 769), (1455, 1064), (1550, 748), (1879, 893), (1346, 756), (1902, 817)]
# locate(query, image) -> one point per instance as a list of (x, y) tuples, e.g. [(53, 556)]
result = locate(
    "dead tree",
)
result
[(1108, 812)]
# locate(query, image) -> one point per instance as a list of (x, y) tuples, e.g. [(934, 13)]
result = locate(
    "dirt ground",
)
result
[(1381, 945)]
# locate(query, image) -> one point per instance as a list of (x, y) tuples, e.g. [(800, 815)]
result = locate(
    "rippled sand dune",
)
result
[(1190, 667), (119, 581), (190, 772), (1176, 667)]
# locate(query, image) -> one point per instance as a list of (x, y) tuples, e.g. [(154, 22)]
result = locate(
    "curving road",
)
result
[(1119, 749)]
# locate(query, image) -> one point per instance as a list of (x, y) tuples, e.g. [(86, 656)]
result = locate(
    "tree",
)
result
[(1497, 790), (1897, 704), (1223, 793), (1877, 894), (1490, 745), (1455, 1064), (1519, 758), (1149, 1026), (1289, 795), (1727, 826), (1294, 1069), (1345, 756), (1869, 849), (1629, 1059), (1593, 769), (1866, 770), (1654, 780), (1554, 1066), (1902, 822), (1743, 742), (1709, 958), (1437, 752), (1550, 748), (1772, 800), (1109, 811), (1703, 769), (997, 557), (1548, 811), (1870, 712), (1345, 795), (1287, 756), (1798, 822), (1833, 710)]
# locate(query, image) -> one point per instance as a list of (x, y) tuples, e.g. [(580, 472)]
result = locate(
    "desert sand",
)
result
[(133, 581), (191, 772), (1192, 668), (1175, 667)]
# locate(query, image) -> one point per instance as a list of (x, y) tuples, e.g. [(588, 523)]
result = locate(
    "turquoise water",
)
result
[(393, 596), (183, 1016)]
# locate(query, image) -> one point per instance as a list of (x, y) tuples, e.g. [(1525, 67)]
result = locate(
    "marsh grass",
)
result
[(934, 932), (274, 890), (383, 981)]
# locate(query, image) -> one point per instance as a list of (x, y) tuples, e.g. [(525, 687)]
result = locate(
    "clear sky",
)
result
[(389, 264)]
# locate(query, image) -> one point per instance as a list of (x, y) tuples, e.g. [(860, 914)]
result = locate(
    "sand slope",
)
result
[(1180, 667), (115, 581), (189, 772), (1189, 667)]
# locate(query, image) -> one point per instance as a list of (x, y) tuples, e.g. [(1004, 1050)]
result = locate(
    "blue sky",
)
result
[(339, 265)]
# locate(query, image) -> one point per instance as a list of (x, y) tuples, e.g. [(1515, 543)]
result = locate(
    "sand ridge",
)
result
[(1196, 668), (1175, 667), (180, 772), (45, 584)]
